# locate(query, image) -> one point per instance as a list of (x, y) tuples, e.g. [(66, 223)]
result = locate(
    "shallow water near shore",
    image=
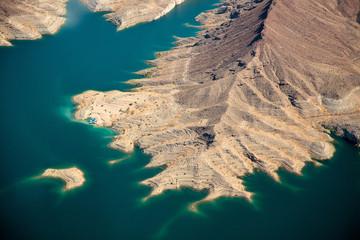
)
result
[(37, 80)]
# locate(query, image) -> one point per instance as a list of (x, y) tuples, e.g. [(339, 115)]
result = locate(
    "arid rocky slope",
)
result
[(29, 19), (127, 13), (252, 91)]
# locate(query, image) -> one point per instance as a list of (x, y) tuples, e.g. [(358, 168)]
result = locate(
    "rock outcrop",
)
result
[(29, 19), (73, 177), (127, 13), (253, 90)]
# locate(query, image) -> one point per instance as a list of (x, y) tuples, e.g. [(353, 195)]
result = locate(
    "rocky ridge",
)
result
[(253, 90), (29, 19), (127, 13)]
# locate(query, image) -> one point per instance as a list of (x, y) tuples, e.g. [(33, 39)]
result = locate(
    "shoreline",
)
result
[(72, 177), (28, 20), (128, 13), (212, 115)]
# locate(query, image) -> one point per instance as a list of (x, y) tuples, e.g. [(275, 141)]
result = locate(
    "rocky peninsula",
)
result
[(73, 177), (254, 89), (30, 19), (127, 13)]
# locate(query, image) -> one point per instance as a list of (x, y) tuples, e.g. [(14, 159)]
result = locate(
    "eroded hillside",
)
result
[(127, 13), (29, 19), (252, 91)]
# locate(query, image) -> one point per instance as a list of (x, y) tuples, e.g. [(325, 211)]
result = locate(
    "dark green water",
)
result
[(37, 79)]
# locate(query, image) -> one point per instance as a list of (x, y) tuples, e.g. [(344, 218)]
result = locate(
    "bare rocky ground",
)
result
[(73, 177), (127, 13), (29, 19), (253, 90)]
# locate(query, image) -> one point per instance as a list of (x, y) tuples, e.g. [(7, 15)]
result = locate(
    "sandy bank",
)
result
[(73, 177)]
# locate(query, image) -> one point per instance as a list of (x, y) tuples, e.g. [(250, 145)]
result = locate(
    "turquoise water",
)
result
[(37, 80)]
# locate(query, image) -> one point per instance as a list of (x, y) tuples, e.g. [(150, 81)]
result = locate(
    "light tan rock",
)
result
[(127, 13), (251, 91), (73, 177), (29, 19)]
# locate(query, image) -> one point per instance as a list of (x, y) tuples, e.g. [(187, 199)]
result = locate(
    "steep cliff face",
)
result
[(127, 13), (252, 91), (29, 19)]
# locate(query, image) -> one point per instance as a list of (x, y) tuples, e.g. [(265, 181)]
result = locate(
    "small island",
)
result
[(73, 177)]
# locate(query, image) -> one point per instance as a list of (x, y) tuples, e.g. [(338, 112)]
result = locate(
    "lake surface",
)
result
[(37, 80)]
